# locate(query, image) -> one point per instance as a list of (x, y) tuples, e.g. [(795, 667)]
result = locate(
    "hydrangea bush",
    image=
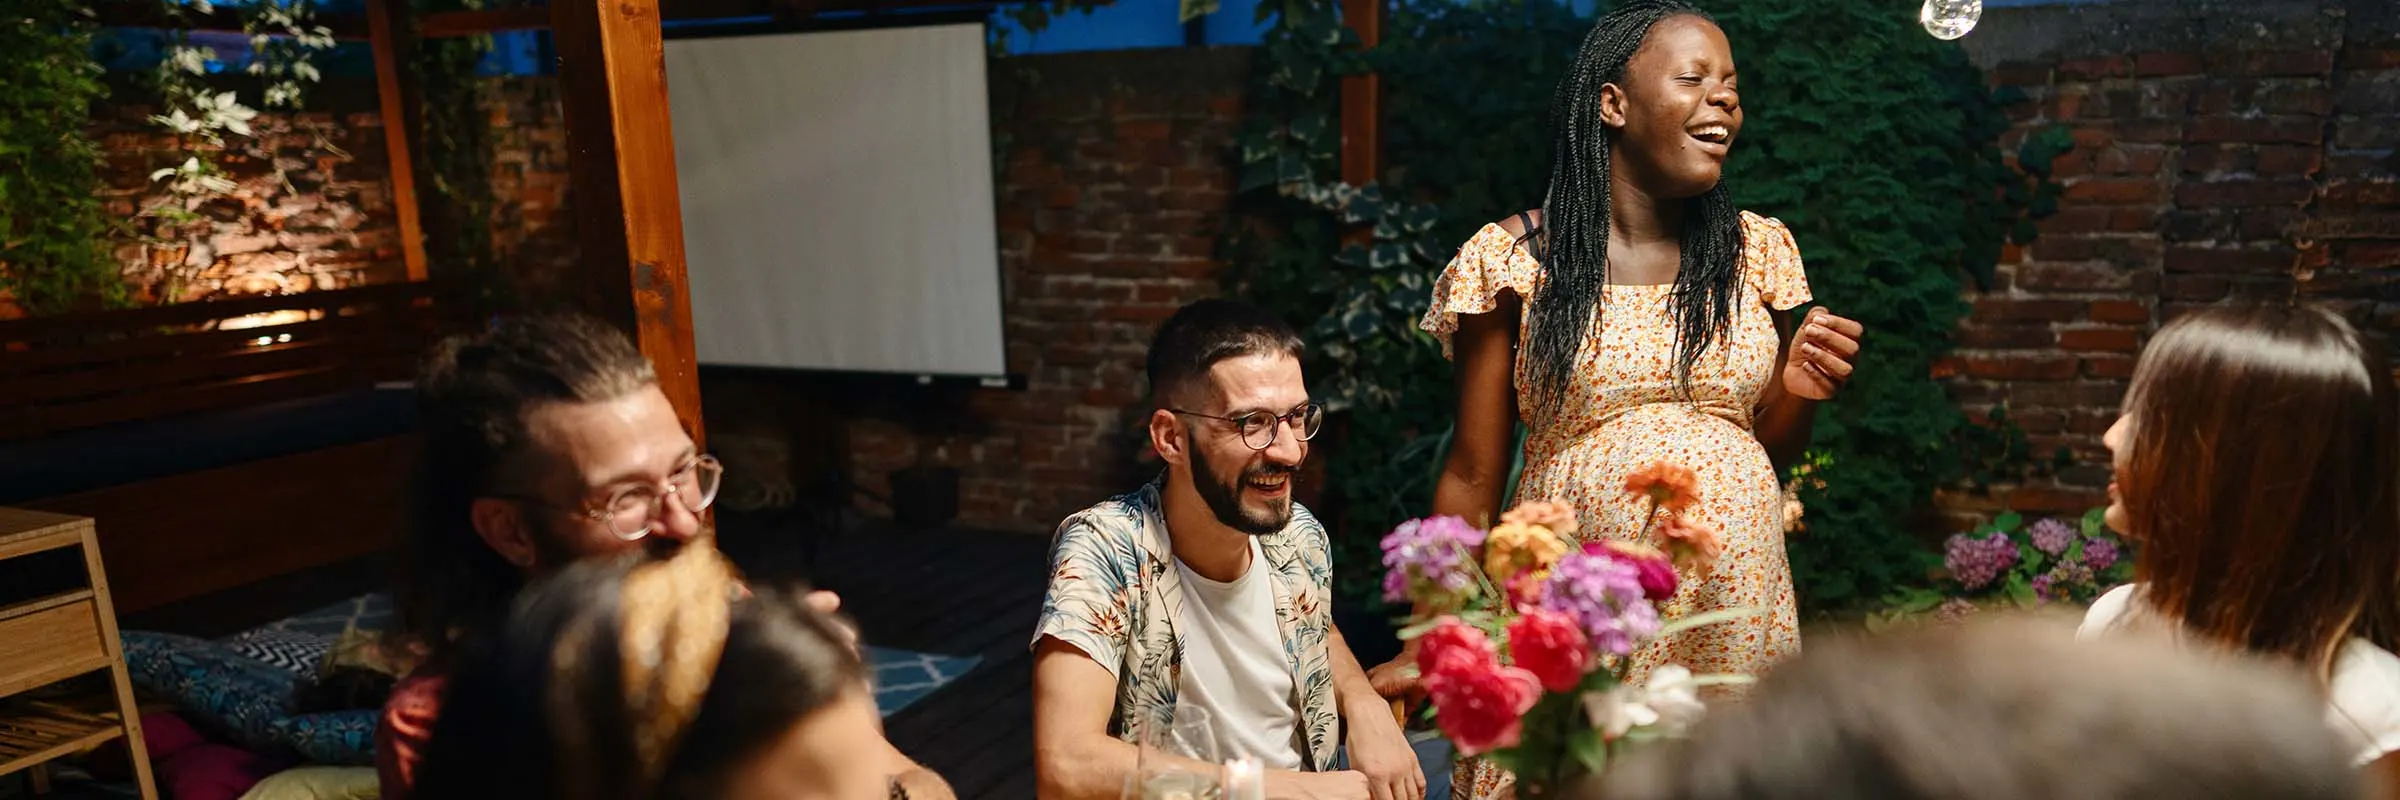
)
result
[(2008, 562)]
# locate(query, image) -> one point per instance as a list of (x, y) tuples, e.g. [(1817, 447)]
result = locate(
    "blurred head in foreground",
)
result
[(2007, 708)]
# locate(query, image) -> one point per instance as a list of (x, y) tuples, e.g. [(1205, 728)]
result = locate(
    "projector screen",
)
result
[(837, 200)]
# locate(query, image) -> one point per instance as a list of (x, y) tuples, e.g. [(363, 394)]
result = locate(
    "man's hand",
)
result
[(1380, 751), (1347, 785), (830, 604), (1397, 679)]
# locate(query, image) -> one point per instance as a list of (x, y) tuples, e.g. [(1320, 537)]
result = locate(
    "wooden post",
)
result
[(1362, 99), (629, 219), (388, 33)]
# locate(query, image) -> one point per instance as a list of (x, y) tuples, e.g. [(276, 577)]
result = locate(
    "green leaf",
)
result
[(1589, 749), (1195, 9)]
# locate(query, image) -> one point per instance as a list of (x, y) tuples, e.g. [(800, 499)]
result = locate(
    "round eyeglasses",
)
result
[(628, 512), (1259, 428)]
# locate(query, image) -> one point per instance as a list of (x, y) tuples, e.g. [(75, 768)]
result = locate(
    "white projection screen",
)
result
[(837, 200)]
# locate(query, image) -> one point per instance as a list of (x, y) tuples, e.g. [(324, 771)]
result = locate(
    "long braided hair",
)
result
[(1572, 243)]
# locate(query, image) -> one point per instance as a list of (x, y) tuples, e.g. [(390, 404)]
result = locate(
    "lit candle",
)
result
[(1243, 781)]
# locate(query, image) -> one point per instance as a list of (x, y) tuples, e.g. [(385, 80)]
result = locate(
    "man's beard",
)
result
[(1225, 498)]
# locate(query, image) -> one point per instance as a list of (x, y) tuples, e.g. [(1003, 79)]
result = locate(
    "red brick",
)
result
[(2289, 160), (2218, 260), (2055, 500), (2019, 367), (2072, 220), (2239, 193), (2006, 337), (2084, 69), (2040, 421), (2258, 130), (2370, 58), (2200, 288), (2156, 130), (2345, 194), (2152, 65), (2361, 255), (2113, 191), (2118, 311), (2293, 64), (2000, 309), (2051, 277), (2113, 340), (2108, 366), (2129, 160)]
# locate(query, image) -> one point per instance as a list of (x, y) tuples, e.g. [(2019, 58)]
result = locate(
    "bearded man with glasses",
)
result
[(547, 442), (1210, 589)]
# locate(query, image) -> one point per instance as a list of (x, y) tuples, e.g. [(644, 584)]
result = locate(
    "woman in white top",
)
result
[(2258, 473)]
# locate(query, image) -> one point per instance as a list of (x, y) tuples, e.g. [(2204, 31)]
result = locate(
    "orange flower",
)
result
[(1558, 517), (1694, 544), (1671, 486), (1517, 547)]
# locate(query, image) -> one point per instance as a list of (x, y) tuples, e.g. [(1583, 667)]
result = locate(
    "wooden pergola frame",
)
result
[(622, 149)]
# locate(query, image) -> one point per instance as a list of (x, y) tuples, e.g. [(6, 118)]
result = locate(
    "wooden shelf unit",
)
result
[(52, 639)]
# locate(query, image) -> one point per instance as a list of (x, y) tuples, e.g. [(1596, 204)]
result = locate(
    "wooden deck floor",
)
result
[(942, 591)]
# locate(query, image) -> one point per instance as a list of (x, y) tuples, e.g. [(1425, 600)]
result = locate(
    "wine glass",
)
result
[(1169, 740)]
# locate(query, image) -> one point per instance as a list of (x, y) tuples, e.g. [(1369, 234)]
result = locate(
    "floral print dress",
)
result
[(1623, 409)]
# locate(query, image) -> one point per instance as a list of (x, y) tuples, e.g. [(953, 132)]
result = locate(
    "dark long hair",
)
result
[(1573, 241), (548, 709), (2262, 483)]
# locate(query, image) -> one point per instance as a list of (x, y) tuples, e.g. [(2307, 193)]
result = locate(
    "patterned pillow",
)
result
[(243, 699), (295, 652)]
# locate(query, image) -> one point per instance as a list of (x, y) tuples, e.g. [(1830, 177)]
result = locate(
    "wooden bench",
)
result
[(224, 442)]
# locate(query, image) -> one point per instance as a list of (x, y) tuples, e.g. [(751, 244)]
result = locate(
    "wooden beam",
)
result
[(390, 35), (621, 161), (1362, 99)]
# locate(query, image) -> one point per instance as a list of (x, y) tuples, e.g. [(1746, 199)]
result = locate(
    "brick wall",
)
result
[(327, 221), (2224, 153), (1116, 176)]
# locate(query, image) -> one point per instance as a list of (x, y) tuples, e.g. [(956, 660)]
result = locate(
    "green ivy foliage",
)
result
[(456, 153), (1875, 142), (53, 233)]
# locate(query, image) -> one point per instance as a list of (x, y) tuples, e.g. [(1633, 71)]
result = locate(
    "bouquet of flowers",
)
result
[(1523, 636)]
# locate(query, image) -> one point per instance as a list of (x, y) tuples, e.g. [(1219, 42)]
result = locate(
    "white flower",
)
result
[(191, 59), (1675, 695), (178, 122), (1669, 702)]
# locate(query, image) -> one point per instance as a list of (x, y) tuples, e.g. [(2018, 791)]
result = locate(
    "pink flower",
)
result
[(1694, 544), (1483, 710), (1549, 645), (1454, 647), (1657, 573), (1558, 517)]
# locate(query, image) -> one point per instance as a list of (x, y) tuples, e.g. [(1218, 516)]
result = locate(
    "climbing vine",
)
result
[(1467, 89), (457, 150), (207, 120), (52, 229)]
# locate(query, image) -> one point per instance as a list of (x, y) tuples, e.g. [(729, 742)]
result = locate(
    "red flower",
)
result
[(1454, 647), (1483, 710), (1550, 645), (1657, 574)]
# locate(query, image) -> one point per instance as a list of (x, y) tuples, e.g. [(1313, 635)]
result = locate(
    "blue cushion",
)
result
[(243, 699), (97, 458)]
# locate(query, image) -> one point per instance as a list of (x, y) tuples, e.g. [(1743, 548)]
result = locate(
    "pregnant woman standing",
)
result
[(1639, 317)]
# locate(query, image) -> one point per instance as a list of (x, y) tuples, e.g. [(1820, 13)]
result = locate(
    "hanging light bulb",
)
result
[(1950, 19)]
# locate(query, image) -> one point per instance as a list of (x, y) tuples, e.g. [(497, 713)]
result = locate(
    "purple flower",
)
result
[(2041, 587), (1603, 594), (2050, 536), (2099, 554), (1427, 558), (2065, 578), (1975, 561)]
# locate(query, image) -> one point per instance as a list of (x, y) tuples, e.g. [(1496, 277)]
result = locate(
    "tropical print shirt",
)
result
[(1115, 594)]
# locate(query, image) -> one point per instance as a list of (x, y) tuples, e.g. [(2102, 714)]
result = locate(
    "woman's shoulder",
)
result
[(1520, 224), (2365, 694), (2106, 611)]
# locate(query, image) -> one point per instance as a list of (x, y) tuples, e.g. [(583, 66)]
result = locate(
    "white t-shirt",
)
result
[(2363, 705), (1234, 665)]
